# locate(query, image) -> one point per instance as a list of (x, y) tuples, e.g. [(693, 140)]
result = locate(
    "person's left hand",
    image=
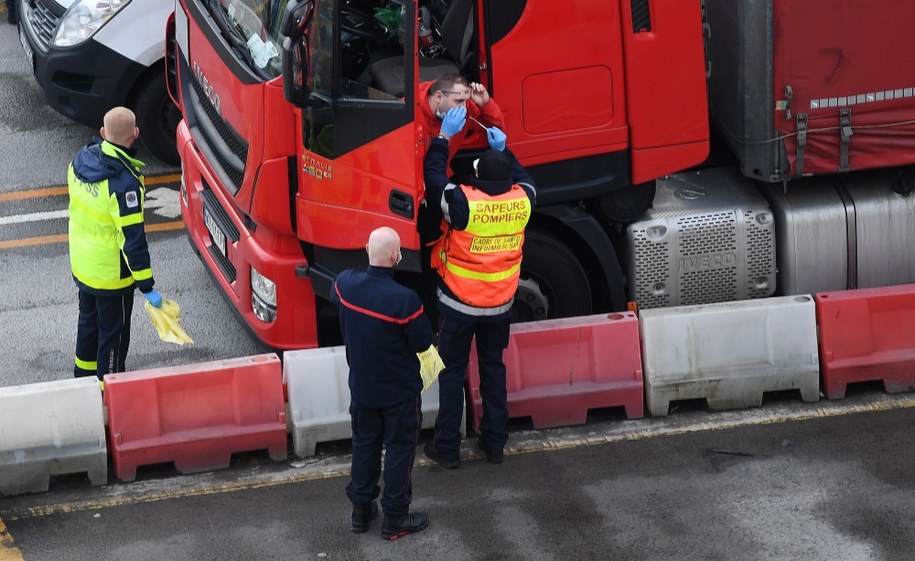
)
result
[(478, 94), (154, 298), (496, 138)]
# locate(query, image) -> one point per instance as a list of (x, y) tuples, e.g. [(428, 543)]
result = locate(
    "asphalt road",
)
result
[(787, 482)]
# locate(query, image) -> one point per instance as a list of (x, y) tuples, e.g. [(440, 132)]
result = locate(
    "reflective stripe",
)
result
[(142, 274), (471, 310), (86, 364), (530, 187), (478, 275), (446, 208), (130, 219), (102, 284)]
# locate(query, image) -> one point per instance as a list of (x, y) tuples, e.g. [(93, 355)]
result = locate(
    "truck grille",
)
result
[(219, 136), (43, 23)]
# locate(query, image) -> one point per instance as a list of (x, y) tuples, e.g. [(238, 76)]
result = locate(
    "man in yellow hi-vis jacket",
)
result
[(108, 250)]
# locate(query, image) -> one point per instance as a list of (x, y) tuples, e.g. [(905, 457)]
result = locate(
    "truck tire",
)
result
[(553, 283), (157, 118)]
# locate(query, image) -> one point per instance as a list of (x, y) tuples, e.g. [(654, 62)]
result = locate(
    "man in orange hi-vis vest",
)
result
[(478, 262)]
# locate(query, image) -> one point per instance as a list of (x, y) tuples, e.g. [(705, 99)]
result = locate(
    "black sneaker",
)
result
[(433, 455), (492, 456), (396, 527), (363, 516)]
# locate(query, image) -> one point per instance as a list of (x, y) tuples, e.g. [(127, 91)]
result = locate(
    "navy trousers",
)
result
[(103, 333), (396, 428), (456, 331)]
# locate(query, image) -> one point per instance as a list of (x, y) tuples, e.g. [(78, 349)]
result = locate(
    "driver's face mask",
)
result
[(440, 113)]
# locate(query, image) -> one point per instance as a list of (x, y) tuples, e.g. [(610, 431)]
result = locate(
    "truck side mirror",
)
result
[(295, 51)]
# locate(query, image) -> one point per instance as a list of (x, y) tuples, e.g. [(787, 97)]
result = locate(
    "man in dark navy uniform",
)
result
[(383, 326)]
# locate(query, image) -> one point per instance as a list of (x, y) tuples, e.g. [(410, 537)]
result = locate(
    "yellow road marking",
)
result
[(62, 190), (8, 550), (522, 443), (61, 238)]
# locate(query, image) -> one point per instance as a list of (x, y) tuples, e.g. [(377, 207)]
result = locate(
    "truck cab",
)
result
[(301, 135)]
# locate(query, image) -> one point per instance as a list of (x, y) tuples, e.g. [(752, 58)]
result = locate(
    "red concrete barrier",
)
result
[(196, 416), (556, 370), (867, 335)]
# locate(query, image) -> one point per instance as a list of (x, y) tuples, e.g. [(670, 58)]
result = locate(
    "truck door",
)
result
[(358, 167)]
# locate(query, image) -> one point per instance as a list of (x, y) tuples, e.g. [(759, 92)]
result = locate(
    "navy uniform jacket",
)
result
[(383, 326)]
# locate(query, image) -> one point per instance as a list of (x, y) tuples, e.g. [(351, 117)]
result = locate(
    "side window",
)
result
[(350, 106), (320, 77), (366, 39)]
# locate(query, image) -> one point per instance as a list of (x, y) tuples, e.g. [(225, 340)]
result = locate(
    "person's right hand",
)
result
[(454, 121), (496, 138), (154, 298)]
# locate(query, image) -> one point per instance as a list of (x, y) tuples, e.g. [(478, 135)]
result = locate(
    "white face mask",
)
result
[(398, 259), (440, 113)]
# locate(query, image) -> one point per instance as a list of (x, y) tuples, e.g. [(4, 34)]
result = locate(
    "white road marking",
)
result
[(33, 217), (162, 200)]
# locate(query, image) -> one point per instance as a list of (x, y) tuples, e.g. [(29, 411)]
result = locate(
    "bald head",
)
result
[(120, 127), (383, 247)]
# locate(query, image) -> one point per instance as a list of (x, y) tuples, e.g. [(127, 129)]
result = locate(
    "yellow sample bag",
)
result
[(430, 366), (167, 321)]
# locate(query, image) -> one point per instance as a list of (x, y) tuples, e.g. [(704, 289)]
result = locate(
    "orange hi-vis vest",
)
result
[(482, 263)]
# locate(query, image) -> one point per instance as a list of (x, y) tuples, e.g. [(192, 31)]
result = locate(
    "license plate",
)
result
[(25, 47), (216, 235)]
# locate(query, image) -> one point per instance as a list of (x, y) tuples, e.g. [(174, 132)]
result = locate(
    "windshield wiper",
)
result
[(235, 36)]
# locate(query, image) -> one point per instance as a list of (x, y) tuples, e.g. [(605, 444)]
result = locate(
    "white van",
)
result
[(91, 55)]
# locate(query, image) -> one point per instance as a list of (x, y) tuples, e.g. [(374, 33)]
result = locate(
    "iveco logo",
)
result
[(709, 261), (207, 88)]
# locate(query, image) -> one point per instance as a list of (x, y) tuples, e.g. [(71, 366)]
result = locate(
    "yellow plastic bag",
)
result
[(167, 321), (430, 366)]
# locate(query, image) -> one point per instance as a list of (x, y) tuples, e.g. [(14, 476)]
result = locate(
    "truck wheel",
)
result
[(157, 118), (553, 283)]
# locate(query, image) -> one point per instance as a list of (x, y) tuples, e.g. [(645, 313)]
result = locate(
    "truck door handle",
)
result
[(401, 203)]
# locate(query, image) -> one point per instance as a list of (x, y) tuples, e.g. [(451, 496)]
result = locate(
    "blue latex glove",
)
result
[(496, 138), (154, 298), (454, 121)]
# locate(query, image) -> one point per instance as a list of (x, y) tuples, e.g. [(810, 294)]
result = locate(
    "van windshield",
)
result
[(255, 25)]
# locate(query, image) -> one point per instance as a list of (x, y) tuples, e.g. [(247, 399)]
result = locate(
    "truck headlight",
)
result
[(83, 19), (263, 296)]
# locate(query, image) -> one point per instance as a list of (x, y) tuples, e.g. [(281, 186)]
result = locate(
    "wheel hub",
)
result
[(531, 304)]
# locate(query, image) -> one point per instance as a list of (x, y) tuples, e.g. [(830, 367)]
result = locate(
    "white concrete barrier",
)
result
[(730, 353), (51, 428), (317, 388)]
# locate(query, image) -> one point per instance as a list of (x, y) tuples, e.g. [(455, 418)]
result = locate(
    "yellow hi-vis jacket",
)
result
[(108, 248), (481, 264)]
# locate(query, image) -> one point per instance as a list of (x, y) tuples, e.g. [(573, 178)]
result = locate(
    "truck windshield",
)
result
[(252, 29)]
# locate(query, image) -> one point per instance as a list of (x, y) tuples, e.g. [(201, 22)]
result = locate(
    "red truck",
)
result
[(299, 136)]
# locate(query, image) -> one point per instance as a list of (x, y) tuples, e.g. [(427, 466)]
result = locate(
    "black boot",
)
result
[(395, 527), (492, 456), (363, 516)]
